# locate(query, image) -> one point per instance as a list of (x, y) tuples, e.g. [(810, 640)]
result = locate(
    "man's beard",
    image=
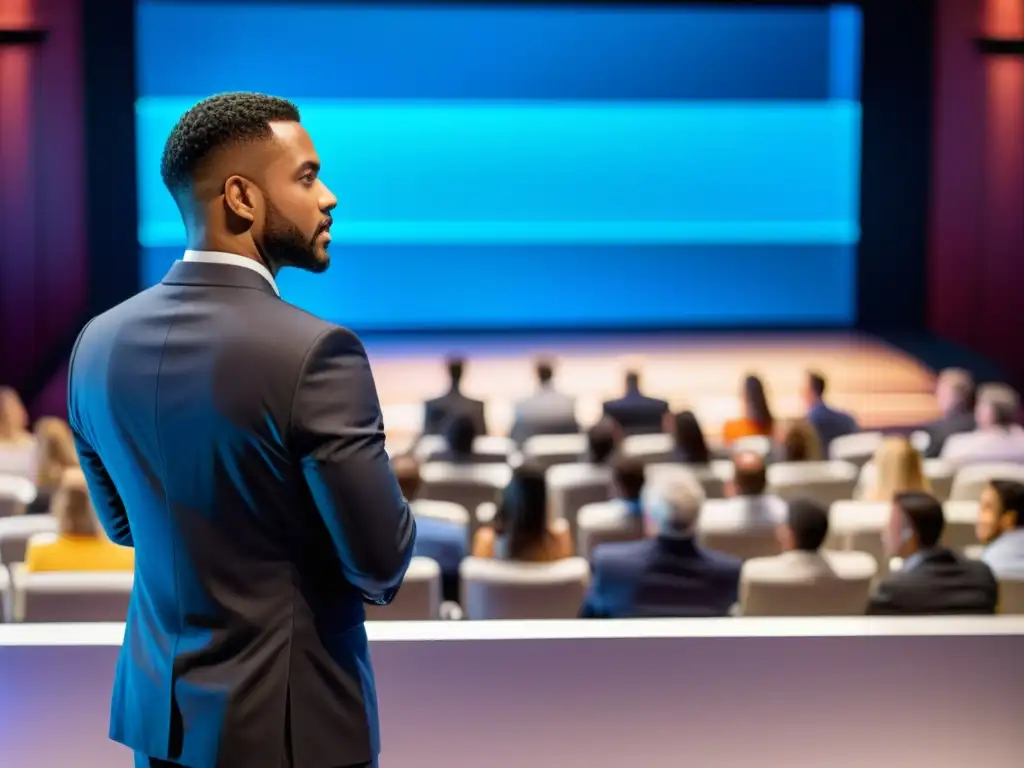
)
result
[(284, 245)]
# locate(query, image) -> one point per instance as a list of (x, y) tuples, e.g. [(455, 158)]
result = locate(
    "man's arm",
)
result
[(336, 427), (884, 602)]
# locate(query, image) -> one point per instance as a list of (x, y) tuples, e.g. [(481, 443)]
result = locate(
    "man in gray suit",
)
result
[(236, 442), (547, 411)]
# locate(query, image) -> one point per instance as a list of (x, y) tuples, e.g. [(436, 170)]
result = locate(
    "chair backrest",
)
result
[(657, 446), (1011, 596), (503, 589), (6, 609), (19, 460), (712, 477), (856, 448), (419, 597), (758, 444), (921, 440), (16, 493), (856, 526), (70, 596), (468, 485), (446, 511), (16, 531), (828, 596), (602, 523), (821, 481), (571, 486), (550, 450), (969, 481), (938, 472), (484, 445), (744, 543), (960, 531)]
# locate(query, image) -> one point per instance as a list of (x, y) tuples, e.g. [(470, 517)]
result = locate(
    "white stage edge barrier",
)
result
[(735, 693)]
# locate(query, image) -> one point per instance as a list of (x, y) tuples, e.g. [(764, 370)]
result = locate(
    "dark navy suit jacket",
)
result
[(830, 424), (637, 413), (661, 577), (236, 442), (439, 411)]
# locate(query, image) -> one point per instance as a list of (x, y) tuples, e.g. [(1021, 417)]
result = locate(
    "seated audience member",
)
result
[(13, 419), (546, 412), (80, 544), (668, 575), (635, 412), (998, 436), (801, 536), (934, 580), (440, 540), (55, 453), (623, 515), (690, 446), (602, 442), (827, 422), (1001, 528), (954, 392), (520, 530), (799, 442), (439, 411), (898, 468), (757, 419), (460, 434), (748, 494)]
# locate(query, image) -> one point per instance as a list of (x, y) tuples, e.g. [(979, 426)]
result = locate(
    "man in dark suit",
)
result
[(635, 412), (954, 392), (666, 576), (934, 580), (438, 411), (236, 442), (828, 422)]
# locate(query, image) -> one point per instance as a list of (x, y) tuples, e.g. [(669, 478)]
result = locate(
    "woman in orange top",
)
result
[(520, 530), (80, 544), (757, 416)]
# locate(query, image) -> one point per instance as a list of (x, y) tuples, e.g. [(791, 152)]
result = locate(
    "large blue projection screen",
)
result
[(542, 167)]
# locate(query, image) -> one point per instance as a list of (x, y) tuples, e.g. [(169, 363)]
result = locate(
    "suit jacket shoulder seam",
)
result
[(302, 374)]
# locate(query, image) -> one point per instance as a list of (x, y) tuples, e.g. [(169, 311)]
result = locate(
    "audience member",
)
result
[(460, 434), (998, 436), (757, 415), (799, 442), (748, 495), (520, 530), (602, 442), (1001, 528), (898, 468), (439, 411), (933, 580), (827, 422), (547, 411), (621, 518), (954, 391), (635, 412), (668, 575), (55, 453), (80, 544), (13, 419), (801, 535), (690, 446)]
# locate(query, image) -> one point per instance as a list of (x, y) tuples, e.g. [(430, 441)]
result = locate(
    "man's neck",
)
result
[(245, 250)]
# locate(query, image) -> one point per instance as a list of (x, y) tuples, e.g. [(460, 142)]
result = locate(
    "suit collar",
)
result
[(221, 274)]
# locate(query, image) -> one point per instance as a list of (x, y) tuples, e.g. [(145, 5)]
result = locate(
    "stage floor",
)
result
[(882, 385)]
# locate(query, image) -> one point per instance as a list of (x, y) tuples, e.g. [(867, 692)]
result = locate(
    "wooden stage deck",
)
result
[(879, 383)]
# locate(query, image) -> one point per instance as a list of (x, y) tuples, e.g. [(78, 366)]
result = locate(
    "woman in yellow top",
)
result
[(81, 544), (757, 417)]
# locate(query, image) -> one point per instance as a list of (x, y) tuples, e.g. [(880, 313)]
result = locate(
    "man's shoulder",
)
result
[(620, 555)]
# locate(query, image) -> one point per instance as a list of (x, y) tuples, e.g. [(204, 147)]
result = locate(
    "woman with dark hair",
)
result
[(757, 414), (690, 445), (520, 529)]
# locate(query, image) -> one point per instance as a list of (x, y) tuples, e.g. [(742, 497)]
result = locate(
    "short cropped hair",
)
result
[(1003, 402), (628, 472), (817, 383), (216, 122), (808, 520), (923, 512)]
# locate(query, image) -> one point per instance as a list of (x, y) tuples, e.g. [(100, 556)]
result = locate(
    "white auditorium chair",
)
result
[(712, 477), (857, 448), (70, 596), (960, 531), (764, 593), (652, 448), (938, 472), (970, 480), (504, 589), (572, 486), (550, 450), (723, 528), (489, 447), (19, 460), (1011, 597), (445, 511), (6, 610), (16, 531), (921, 440), (419, 597), (468, 485), (820, 481), (604, 522), (758, 444), (856, 526), (16, 493)]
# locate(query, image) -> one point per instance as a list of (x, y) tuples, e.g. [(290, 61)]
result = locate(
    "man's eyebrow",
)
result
[(310, 165)]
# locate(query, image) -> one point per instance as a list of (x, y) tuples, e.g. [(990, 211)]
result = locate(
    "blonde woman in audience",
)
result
[(13, 419), (80, 544), (898, 468), (55, 453), (520, 530), (799, 441)]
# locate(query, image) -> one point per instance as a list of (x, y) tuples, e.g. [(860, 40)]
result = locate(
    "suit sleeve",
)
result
[(338, 430), (884, 602)]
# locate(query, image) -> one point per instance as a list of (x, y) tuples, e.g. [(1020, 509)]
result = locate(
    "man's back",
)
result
[(830, 423), (637, 413), (940, 430), (546, 412), (439, 411), (236, 442), (942, 583)]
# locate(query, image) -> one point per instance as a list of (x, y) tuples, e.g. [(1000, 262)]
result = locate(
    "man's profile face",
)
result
[(297, 220)]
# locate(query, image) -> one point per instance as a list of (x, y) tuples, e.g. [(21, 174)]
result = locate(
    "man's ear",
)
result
[(241, 197)]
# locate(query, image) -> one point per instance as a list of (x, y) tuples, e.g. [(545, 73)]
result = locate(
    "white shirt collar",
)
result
[(219, 257)]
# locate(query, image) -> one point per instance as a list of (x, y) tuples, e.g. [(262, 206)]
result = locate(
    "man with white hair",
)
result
[(667, 575), (954, 392), (998, 436)]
